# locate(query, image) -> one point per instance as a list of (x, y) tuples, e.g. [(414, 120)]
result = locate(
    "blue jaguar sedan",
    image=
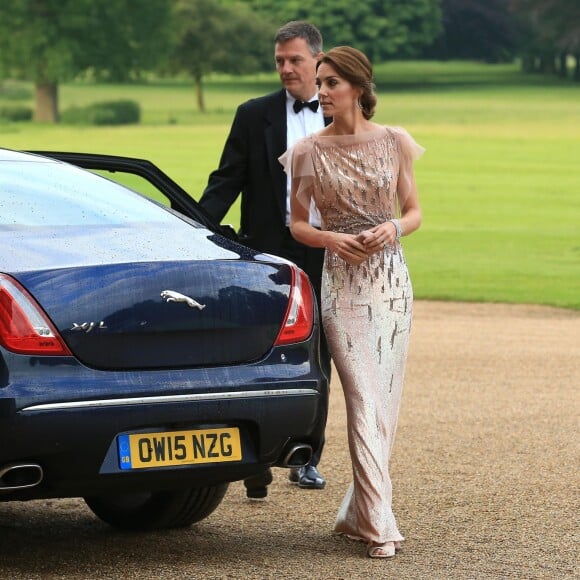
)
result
[(146, 358)]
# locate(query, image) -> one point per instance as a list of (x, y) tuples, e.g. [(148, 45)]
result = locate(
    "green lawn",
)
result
[(499, 183)]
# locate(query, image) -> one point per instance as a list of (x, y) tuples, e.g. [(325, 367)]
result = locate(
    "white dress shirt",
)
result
[(298, 125)]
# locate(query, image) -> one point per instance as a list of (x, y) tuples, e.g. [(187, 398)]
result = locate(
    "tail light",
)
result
[(24, 328), (299, 318)]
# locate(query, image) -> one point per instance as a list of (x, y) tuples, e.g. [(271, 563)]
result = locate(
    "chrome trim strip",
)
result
[(170, 399)]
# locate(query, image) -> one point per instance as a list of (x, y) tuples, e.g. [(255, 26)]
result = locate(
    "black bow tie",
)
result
[(299, 105)]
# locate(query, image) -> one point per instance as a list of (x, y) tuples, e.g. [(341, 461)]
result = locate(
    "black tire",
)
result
[(157, 510)]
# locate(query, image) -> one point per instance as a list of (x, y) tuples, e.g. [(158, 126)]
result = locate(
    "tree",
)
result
[(553, 33), (53, 41), (383, 29), (476, 30), (211, 36)]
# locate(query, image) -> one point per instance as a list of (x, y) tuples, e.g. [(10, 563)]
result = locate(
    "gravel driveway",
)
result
[(485, 471)]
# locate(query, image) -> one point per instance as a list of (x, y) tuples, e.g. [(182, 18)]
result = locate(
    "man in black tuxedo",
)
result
[(263, 128)]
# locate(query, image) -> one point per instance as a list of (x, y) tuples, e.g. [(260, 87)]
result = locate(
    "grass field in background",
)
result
[(499, 183)]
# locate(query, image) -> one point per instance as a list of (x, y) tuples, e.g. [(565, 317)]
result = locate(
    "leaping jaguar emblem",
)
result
[(172, 296)]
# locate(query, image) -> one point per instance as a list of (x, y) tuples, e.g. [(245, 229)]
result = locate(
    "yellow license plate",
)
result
[(167, 448)]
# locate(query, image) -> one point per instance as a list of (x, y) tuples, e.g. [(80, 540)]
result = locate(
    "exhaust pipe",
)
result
[(20, 476), (297, 456)]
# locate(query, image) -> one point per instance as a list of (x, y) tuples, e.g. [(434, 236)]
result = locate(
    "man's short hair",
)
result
[(301, 29)]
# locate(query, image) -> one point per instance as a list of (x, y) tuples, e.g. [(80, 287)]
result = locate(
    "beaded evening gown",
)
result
[(366, 309)]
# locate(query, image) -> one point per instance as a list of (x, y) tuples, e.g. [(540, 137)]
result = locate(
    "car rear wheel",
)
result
[(157, 510)]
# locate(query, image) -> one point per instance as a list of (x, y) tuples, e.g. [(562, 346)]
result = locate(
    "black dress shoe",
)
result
[(257, 485), (310, 478)]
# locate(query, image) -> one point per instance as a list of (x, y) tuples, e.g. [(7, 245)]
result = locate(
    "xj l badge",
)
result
[(88, 326), (172, 296)]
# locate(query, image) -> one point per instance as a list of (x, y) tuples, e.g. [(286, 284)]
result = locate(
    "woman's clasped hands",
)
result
[(355, 249)]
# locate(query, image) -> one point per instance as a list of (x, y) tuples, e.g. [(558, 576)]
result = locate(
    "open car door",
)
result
[(146, 178)]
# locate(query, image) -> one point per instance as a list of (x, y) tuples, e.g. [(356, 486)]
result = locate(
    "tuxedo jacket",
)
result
[(249, 166)]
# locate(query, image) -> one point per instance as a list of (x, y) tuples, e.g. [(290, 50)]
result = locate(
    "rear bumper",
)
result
[(66, 418), (76, 443)]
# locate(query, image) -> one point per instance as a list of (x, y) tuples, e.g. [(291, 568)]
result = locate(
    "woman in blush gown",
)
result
[(360, 176)]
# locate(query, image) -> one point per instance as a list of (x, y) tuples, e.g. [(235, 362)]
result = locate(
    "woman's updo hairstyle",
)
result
[(353, 65)]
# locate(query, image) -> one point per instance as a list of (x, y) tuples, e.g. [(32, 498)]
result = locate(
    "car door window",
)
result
[(136, 183)]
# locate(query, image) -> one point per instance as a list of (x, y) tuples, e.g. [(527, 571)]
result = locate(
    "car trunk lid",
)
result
[(165, 314)]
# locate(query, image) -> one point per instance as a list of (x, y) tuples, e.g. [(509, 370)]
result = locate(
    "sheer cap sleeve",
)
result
[(410, 149), (298, 164)]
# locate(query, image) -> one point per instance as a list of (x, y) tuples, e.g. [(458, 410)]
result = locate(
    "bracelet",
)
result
[(398, 228)]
